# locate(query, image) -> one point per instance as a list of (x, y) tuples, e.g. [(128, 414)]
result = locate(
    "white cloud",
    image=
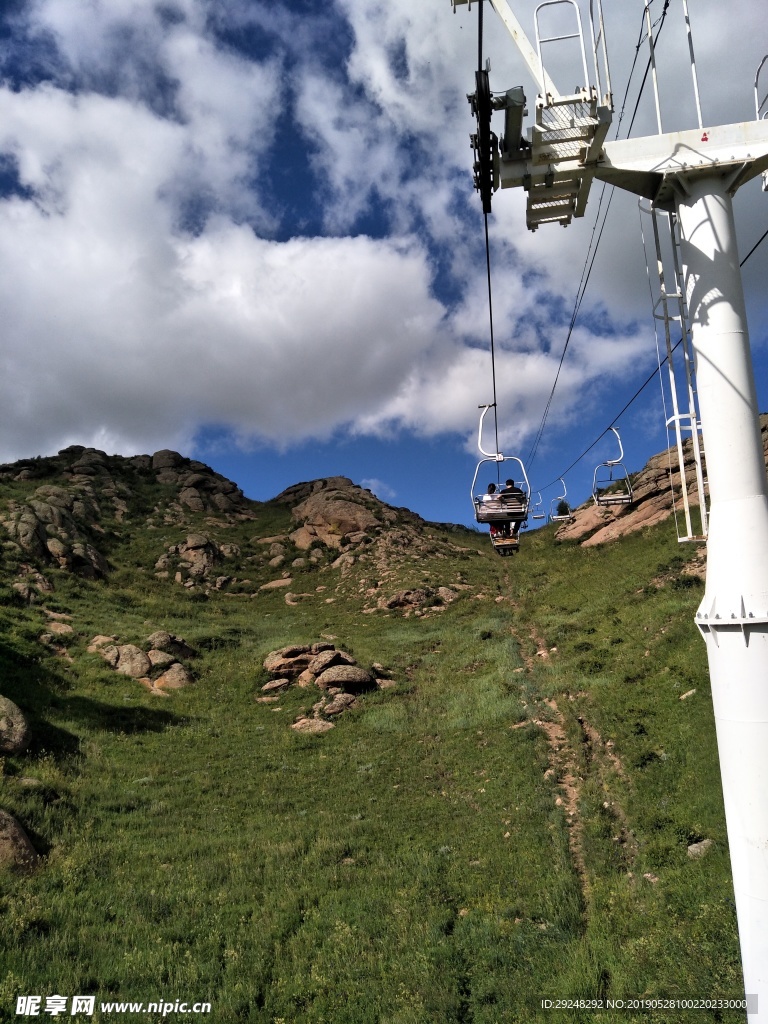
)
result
[(379, 488), (127, 330)]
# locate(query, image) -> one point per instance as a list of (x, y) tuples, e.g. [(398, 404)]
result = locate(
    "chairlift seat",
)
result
[(615, 498)]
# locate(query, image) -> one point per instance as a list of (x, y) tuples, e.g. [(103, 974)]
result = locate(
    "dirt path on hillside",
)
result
[(567, 760)]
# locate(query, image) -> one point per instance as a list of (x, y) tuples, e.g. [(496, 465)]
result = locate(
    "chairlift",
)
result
[(538, 509), (611, 484), (505, 512), (556, 513)]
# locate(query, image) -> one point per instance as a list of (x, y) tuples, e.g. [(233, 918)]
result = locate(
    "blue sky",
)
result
[(247, 231)]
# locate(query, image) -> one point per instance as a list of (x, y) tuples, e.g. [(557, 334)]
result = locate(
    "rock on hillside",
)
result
[(335, 513), (84, 495), (83, 511), (652, 488)]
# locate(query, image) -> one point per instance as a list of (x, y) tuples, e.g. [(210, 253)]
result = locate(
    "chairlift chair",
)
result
[(611, 485), (556, 516), (538, 509), (499, 510)]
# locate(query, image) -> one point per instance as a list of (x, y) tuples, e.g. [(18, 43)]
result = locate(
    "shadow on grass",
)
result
[(115, 718), (40, 693)]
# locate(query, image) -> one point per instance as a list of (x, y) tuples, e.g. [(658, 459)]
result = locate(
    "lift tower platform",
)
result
[(694, 173)]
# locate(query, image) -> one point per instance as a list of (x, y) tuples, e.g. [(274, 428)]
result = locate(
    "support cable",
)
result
[(761, 239), (488, 252), (639, 391), (615, 419)]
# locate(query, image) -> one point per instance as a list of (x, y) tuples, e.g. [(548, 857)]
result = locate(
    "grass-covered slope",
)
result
[(510, 822)]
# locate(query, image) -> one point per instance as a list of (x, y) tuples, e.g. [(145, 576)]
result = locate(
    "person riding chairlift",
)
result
[(511, 488), (492, 495)]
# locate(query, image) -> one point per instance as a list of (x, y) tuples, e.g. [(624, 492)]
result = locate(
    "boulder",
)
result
[(351, 678), (160, 659), (87, 562), (304, 537), (341, 702), (161, 640), (697, 850), (191, 497), (306, 678), (100, 641), (199, 553), (14, 731), (275, 684), (132, 661), (174, 678), (166, 459), (16, 851), (275, 658), (110, 654), (312, 725), (320, 662), (287, 667)]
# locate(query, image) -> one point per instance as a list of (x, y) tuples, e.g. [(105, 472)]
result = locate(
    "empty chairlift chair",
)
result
[(611, 485), (537, 512), (559, 509)]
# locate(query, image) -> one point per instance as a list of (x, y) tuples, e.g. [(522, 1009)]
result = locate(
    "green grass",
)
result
[(412, 865)]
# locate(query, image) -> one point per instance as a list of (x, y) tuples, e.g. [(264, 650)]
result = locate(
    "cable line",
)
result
[(762, 238), (487, 242), (617, 417), (642, 387)]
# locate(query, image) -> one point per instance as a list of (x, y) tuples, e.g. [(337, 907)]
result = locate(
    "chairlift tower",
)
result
[(694, 174)]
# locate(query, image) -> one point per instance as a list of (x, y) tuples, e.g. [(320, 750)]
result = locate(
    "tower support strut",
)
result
[(733, 616)]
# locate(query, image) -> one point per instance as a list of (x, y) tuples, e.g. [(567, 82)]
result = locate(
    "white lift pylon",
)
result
[(695, 174)]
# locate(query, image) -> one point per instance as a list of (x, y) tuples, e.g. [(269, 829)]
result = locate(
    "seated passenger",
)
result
[(511, 489)]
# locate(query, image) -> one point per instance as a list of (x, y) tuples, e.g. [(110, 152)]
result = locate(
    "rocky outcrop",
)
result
[(334, 513), (84, 495), (653, 490), (333, 671), (158, 668), (652, 496), (419, 600)]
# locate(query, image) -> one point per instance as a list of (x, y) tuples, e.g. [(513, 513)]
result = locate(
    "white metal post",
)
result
[(733, 615)]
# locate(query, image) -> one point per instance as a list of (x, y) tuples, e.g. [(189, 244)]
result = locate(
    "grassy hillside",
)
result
[(510, 822)]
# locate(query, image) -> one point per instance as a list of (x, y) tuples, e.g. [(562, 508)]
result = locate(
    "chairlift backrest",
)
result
[(501, 507)]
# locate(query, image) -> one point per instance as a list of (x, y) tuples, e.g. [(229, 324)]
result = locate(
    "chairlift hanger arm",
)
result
[(759, 104), (620, 459), (495, 456)]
